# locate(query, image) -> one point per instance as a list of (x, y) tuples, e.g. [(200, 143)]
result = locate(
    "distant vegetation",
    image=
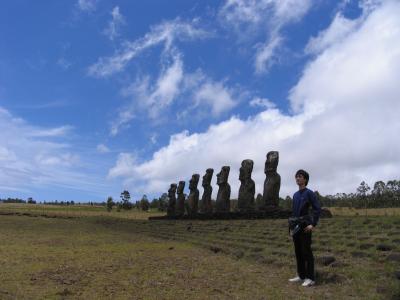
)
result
[(382, 195)]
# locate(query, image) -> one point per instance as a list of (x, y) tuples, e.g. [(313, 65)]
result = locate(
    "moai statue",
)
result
[(247, 187), (171, 200), (206, 205), (272, 183), (193, 198), (224, 191), (180, 207)]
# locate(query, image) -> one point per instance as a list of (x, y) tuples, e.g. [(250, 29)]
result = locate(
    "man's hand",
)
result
[(309, 228)]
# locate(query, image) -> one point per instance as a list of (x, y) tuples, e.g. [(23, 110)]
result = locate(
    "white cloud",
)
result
[(216, 96), (249, 17), (153, 138), (155, 95), (262, 102), (124, 166), (151, 98), (173, 84), (87, 5), (165, 33), (125, 115), (52, 132), (266, 53), (101, 148), (34, 157), (342, 131), (117, 19), (64, 63)]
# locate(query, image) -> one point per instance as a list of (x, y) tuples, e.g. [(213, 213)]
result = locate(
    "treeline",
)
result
[(17, 200), (143, 204), (381, 195), (56, 202)]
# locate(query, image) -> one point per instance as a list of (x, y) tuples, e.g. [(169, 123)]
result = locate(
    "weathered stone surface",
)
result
[(272, 183), (206, 204), (171, 200), (193, 198), (247, 187), (180, 207), (223, 204)]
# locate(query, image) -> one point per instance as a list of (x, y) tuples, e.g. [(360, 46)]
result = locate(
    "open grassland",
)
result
[(73, 211), (107, 256)]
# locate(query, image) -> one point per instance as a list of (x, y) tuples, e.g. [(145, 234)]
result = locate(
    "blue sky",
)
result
[(99, 96)]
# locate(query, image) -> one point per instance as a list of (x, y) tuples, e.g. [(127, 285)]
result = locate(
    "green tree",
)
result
[(362, 191), (163, 202), (110, 203), (125, 197), (154, 204), (144, 203)]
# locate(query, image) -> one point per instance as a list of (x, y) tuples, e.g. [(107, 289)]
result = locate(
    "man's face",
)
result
[(300, 180)]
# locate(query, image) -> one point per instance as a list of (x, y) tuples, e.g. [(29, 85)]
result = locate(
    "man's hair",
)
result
[(304, 174)]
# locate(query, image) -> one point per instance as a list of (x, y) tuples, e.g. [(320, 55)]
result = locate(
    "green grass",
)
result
[(97, 255), (74, 211)]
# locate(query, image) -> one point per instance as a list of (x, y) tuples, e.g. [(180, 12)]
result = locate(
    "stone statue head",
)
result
[(272, 161), (246, 169), (222, 177), (181, 187), (172, 190), (207, 177), (194, 182)]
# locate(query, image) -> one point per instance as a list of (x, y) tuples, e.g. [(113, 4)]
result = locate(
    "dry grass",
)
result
[(75, 211), (112, 257), (347, 211)]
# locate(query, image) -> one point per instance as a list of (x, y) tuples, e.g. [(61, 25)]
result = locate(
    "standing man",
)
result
[(303, 200)]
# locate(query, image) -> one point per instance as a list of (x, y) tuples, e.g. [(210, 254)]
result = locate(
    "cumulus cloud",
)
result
[(218, 97), (117, 20), (166, 33), (33, 156), (342, 128), (249, 17)]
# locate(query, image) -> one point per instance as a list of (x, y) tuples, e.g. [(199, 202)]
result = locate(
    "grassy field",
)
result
[(59, 253), (373, 212)]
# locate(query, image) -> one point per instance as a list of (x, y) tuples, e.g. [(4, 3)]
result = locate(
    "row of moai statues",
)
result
[(246, 203)]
